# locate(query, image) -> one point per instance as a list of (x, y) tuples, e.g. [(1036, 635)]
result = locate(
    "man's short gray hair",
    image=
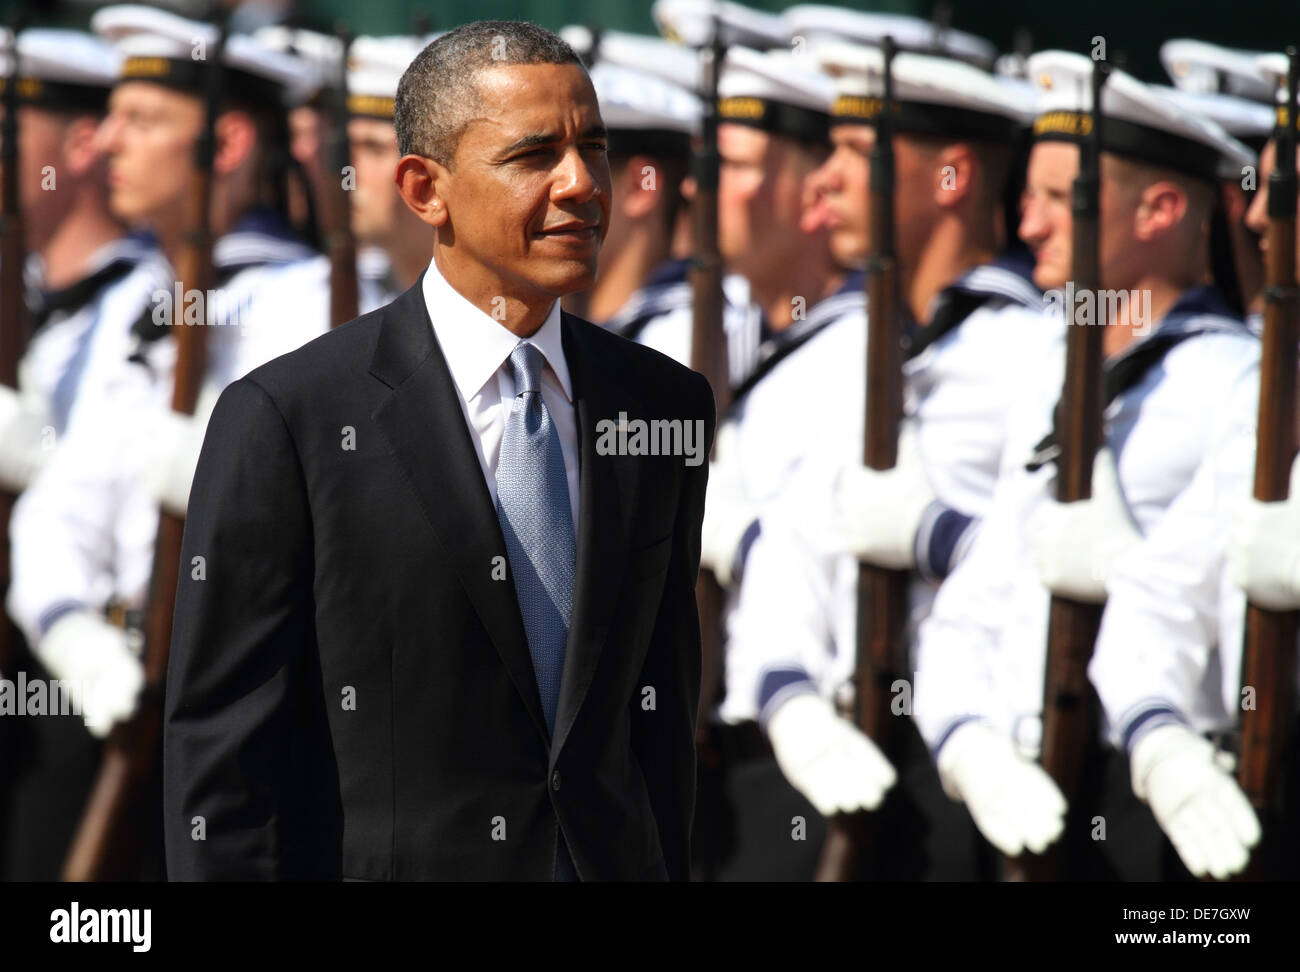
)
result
[(438, 96)]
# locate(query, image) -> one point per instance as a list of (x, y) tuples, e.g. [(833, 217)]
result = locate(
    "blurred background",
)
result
[(1133, 30)]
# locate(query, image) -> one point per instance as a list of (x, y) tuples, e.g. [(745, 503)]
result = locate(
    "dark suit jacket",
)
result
[(350, 693)]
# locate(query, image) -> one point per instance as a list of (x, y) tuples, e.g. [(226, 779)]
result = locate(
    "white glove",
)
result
[(25, 435), (727, 511), (1264, 551), (827, 759), (1195, 800), (1076, 544), (1013, 802), (877, 512), (93, 659), (174, 444)]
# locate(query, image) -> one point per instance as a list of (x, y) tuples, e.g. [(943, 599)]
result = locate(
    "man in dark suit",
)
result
[(394, 656)]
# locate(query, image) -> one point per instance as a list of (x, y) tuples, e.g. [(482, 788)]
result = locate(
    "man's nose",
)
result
[(575, 178), (1033, 227), (820, 181), (105, 139)]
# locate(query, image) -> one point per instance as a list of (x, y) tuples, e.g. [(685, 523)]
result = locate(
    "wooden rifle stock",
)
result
[(709, 358), (340, 243), (1269, 652), (853, 847), (1069, 717), (13, 314), (108, 838)]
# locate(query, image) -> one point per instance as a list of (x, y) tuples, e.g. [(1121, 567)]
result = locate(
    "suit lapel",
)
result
[(607, 498), (425, 426)]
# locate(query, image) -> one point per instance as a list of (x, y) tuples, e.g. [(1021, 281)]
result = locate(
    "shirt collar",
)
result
[(475, 345)]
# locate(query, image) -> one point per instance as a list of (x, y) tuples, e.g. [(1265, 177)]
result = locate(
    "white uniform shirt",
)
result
[(84, 531), (79, 352), (660, 316), (982, 650), (793, 630), (1170, 645), (477, 349)]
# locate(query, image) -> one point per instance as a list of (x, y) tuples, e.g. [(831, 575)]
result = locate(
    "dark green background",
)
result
[(1131, 27)]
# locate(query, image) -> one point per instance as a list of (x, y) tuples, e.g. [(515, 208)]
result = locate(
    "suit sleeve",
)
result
[(665, 749), (242, 627)]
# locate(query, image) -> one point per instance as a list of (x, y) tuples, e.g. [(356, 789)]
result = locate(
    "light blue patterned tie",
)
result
[(537, 522)]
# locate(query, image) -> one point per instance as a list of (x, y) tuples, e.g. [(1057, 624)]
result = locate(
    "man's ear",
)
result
[(422, 184), (236, 133), (638, 187), (80, 153), (1161, 207), (955, 174)]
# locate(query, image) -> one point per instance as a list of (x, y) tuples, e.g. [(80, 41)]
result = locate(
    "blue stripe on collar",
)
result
[(259, 236)]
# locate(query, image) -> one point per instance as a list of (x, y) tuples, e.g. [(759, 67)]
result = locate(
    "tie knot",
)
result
[(526, 365)]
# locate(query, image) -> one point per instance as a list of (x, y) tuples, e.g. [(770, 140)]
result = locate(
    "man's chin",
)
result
[(849, 249), (1050, 277), (566, 277)]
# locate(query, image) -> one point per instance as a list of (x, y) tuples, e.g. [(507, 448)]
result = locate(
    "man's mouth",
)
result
[(576, 232)]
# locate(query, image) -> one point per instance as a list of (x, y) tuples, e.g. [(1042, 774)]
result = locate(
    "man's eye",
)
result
[(595, 147)]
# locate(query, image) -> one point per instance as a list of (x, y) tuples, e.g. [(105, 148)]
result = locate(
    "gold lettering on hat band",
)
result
[(1074, 123), (752, 109), (29, 89), (857, 106), (146, 67), (375, 105)]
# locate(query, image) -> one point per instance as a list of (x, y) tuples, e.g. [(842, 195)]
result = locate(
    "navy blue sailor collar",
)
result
[(1007, 279)]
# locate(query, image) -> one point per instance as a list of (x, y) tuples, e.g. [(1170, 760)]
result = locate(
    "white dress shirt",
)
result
[(477, 350)]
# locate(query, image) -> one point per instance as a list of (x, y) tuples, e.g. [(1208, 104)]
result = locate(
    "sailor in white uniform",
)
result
[(1168, 659), (1174, 353), (1265, 551), (85, 280), (793, 642), (83, 532)]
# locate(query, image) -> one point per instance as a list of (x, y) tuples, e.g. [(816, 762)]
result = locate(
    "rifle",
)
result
[(340, 243), (852, 848), (1069, 707), (1269, 652), (108, 836), (13, 317), (709, 358)]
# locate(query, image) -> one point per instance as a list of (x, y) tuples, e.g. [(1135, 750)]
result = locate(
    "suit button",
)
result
[(555, 780)]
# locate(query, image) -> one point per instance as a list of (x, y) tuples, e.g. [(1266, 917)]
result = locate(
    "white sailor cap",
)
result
[(643, 114), (163, 48), (59, 68), (932, 95), (817, 23), (1140, 123), (321, 53), (1250, 122), (641, 52), (1208, 68), (776, 91), (690, 22), (375, 66)]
